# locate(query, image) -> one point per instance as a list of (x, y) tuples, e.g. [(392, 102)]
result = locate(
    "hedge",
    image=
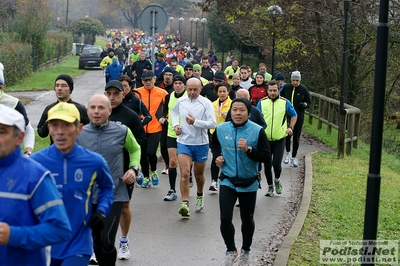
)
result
[(19, 60)]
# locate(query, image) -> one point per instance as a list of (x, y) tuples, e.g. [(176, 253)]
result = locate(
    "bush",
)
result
[(20, 59), (17, 60)]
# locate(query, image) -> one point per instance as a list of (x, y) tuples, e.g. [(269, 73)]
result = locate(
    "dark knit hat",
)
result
[(219, 76), (260, 73), (189, 65), (114, 84), (169, 70), (179, 78), (67, 79), (246, 102), (280, 76)]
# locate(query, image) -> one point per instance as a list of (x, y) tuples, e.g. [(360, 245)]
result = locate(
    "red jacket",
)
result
[(257, 92)]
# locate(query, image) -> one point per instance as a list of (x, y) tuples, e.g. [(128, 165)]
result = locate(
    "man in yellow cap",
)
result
[(77, 172)]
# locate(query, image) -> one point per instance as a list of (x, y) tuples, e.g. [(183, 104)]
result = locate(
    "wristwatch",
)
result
[(249, 149), (28, 152), (136, 169)]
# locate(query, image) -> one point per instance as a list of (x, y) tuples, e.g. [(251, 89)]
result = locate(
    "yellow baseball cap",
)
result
[(64, 111)]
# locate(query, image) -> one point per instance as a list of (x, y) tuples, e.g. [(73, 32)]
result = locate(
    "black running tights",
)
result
[(227, 200)]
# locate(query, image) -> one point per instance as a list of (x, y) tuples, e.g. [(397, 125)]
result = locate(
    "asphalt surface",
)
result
[(160, 236)]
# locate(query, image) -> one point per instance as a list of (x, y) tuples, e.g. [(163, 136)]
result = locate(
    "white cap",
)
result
[(11, 117)]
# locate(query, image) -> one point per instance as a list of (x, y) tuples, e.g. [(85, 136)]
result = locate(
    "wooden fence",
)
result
[(327, 111)]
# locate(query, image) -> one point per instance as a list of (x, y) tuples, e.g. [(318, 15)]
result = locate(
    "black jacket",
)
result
[(208, 92), (135, 104), (42, 128), (299, 97)]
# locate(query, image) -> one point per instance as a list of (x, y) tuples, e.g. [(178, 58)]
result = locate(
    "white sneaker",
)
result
[(171, 195), (214, 186), (123, 251), (287, 158), (244, 258), (199, 203), (294, 162), (230, 257)]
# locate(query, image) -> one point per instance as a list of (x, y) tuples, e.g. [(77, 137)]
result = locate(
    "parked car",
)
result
[(90, 56)]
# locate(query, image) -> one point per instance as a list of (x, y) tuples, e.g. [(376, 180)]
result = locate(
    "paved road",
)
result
[(158, 235), (85, 86)]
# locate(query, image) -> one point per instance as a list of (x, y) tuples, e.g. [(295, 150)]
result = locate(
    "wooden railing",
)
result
[(327, 111)]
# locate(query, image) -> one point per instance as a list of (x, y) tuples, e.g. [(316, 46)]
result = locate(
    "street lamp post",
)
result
[(196, 20), (170, 24), (180, 24), (191, 29), (274, 10), (204, 22), (66, 15), (343, 80)]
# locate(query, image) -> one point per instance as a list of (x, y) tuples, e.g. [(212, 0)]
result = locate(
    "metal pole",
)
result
[(374, 177), (204, 27), (66, 15), (273, 46), (341, 118), (191, 30), (153, 34), (196, 35), (343, 80)]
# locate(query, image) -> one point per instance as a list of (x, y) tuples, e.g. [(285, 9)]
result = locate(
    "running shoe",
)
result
[(146, 182), (294, 162), (139, 179), (230, 257), (123, 251), (214, 186), (278, 187), (244, 258), (270, 191), (184, 209), (165, 171), (287, 158), (199, 203), (171, 195), (154, 178)]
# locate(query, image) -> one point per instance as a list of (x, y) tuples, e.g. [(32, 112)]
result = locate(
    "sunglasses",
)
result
[(188, 69)]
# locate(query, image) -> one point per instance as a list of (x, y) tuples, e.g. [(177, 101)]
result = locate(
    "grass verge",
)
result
[(338, 199), (44, 79)]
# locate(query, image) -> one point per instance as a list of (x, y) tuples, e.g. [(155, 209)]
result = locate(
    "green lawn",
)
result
[(44, 79), (338, 200)]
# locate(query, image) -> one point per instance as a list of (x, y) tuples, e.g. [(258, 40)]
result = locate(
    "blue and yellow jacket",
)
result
[(76, 174)]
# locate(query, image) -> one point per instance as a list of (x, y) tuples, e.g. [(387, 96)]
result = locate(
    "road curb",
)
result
[(282, 256)]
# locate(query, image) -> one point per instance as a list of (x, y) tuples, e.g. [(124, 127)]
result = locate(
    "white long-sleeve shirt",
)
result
[(203, 112)]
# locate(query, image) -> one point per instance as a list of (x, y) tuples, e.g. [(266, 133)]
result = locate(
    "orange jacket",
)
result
[(154, 101)]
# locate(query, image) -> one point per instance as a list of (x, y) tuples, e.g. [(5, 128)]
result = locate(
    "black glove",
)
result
[(165, 123), (303, 104), (96, 222)]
